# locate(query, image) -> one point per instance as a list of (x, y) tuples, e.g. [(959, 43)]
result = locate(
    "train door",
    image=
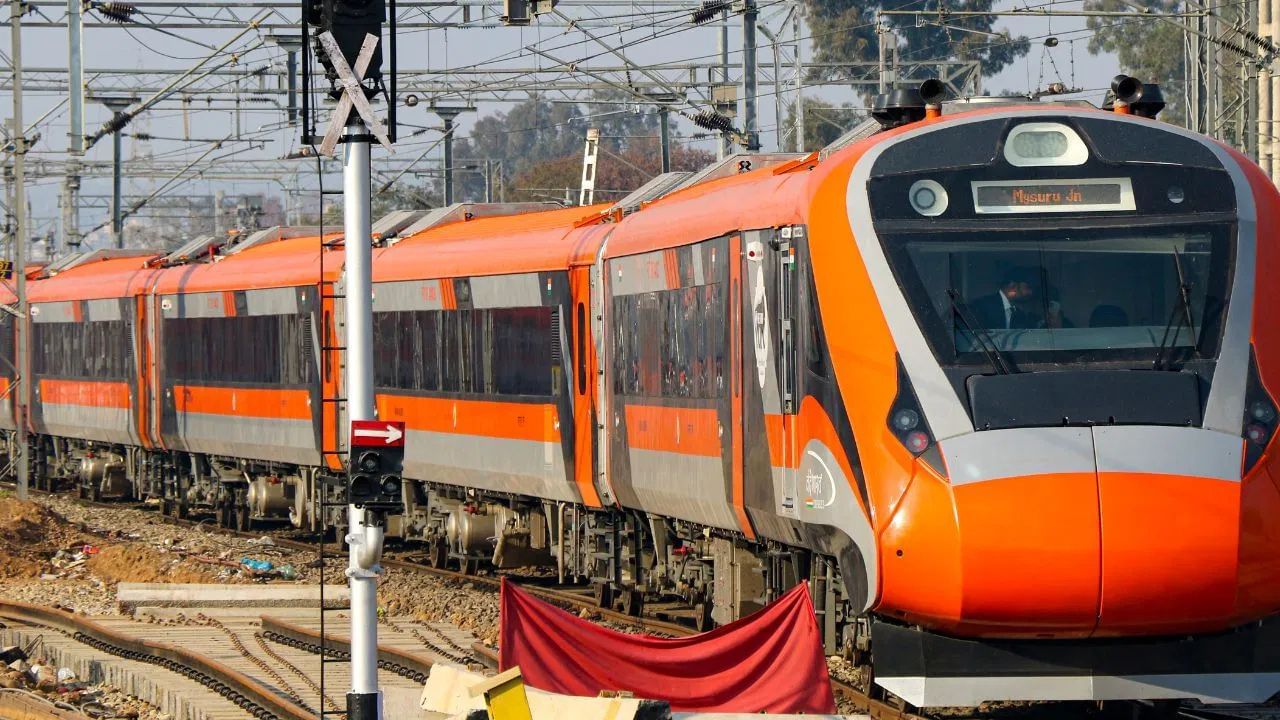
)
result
[(584, 363), (738, 303), (771, 383)]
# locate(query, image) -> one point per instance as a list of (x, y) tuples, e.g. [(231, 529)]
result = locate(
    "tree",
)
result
[(844, 31), (619, 171), (1151, 50)]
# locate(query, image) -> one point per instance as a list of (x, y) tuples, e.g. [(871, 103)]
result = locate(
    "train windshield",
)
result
[(1067, 295)]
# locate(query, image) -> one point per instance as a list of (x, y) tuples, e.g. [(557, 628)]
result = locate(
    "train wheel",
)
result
[(82, 492), (438, 555), (469, 566), (95, 492), (702, 617), (244, 520), (633, 602), (166, 506), (604, 595)]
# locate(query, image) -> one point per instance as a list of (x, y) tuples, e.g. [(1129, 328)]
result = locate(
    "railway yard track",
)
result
[(282, 650)]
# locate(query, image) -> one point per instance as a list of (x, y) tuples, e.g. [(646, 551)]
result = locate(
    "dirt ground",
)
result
[(48, 559), (30, 534)]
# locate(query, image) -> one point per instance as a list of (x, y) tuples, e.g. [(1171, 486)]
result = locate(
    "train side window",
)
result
[(94, 350), (210, 350), (814, 355), (522, 350), (670, 343)]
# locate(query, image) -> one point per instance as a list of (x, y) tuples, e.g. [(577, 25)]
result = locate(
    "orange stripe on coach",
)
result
[(86, 393), (537, 422), (251, 402)]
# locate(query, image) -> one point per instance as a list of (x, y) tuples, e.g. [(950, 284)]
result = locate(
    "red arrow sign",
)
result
[(377, 433)]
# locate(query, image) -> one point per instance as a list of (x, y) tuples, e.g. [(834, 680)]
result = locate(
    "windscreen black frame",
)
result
[(940, 334)]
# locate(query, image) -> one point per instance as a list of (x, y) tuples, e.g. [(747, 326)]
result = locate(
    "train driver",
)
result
[(1008, 307)]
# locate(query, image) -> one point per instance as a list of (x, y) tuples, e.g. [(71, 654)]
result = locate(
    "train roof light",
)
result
[(1044, 144)]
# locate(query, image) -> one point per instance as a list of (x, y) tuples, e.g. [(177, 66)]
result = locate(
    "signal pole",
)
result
[(351, 30), (364, 540), (16, 8)]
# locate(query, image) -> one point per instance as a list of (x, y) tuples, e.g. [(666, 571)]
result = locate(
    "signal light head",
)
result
[(362, 486), (370, 462), (391, 486)]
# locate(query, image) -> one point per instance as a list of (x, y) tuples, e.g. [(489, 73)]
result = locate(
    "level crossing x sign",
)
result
[(352, 93), (377, 433)]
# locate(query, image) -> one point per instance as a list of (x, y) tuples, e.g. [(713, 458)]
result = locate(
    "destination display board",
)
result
[(1046, 196)]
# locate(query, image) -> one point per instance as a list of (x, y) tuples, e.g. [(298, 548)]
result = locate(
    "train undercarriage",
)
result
[(628, 557)]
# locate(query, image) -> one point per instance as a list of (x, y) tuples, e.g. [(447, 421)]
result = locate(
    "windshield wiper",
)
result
[(1182, 313), (980, 335)]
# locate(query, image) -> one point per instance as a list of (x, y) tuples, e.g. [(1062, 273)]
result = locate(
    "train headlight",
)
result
[(1041, 144), (905, 420), (909, 426), (917, 442), (1256, 434), (1262, 411), (928, 198), (1260, 417)]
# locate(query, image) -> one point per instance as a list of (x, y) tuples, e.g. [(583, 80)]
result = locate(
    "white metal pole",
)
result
[(20, 233), (364, 533)]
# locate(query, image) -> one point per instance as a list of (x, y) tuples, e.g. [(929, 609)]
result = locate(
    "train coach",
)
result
[(991, 377)]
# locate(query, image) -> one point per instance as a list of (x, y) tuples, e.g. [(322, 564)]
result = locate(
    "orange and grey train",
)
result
[(993, 380)]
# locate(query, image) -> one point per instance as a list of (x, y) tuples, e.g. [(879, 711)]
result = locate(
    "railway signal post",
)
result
[(351, 30)]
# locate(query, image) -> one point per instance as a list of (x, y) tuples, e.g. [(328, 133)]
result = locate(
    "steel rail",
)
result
[(401, 663), (254, 697), (414, 667)]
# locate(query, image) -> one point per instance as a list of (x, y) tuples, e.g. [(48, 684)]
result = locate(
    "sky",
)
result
[(256, 131)]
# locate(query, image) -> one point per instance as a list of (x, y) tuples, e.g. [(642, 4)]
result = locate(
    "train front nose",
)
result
[(1077, 531)]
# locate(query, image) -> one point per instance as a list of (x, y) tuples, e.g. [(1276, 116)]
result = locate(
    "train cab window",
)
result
[(1059, 296)]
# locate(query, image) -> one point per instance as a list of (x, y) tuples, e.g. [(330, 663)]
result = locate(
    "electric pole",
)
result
[(17, 8), (725, 146), (75, 97), (749, 124), (664, 137)]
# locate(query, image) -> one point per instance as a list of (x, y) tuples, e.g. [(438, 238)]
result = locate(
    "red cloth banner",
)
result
[(770, 661)]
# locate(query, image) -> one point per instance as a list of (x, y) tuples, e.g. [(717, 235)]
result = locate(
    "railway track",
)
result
[(254, 698), (336, 646)]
